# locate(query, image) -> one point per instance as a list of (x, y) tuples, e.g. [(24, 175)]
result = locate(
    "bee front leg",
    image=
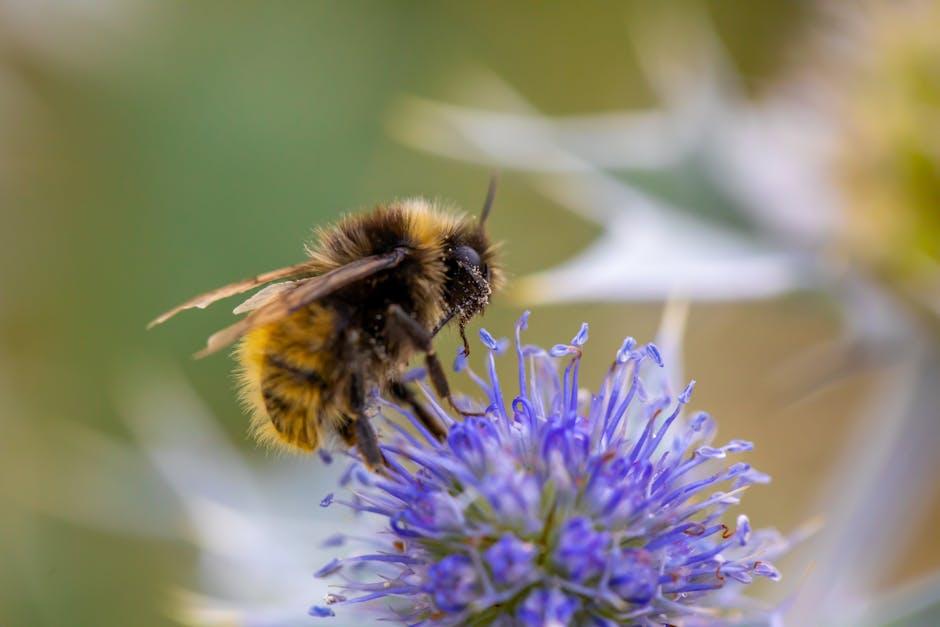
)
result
[(361, 428), (403, 327)]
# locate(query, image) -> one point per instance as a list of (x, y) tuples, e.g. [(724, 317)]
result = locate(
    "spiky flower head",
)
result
[(558, 506)]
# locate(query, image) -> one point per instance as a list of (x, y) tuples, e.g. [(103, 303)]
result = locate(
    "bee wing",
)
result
[(204, 300), (264, 295), (302, 293)]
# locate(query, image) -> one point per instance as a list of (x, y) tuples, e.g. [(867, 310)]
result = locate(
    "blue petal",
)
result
[(582, 337), (488, 340), (329, 568), (626, 350), (318, 611)]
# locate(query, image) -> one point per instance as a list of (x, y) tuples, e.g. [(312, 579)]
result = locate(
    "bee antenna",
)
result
[(490, 197)]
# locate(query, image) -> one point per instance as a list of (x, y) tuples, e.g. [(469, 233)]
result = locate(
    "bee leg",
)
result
[(404, 394), (368, 445), (441, 386), (403, 326), (346, 431), (362, 432)]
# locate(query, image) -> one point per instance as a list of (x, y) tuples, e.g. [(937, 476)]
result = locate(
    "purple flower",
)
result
[(453, 583), (559, 506), (582, 553), (547, 607), (634, 576), (510, 559)]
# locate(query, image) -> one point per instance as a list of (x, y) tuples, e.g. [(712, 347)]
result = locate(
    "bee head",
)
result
[(472, 273)]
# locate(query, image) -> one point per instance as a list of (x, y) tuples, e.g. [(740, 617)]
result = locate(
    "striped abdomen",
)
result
[(289, 378)]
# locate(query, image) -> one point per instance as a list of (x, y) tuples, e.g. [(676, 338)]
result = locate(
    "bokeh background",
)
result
[(152, 150)]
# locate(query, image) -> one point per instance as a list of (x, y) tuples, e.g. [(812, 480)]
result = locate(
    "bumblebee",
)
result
[(325, 334)]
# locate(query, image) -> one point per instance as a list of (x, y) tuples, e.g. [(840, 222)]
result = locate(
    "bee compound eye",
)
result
[(467, 256)]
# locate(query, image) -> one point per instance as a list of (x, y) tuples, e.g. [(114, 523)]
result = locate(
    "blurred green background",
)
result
[(149, 151)]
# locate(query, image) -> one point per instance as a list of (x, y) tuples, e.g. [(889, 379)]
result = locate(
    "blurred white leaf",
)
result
[(650, 259), (765, 159), (916, 603), (650, 250), (257, 529), (879, 490)]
